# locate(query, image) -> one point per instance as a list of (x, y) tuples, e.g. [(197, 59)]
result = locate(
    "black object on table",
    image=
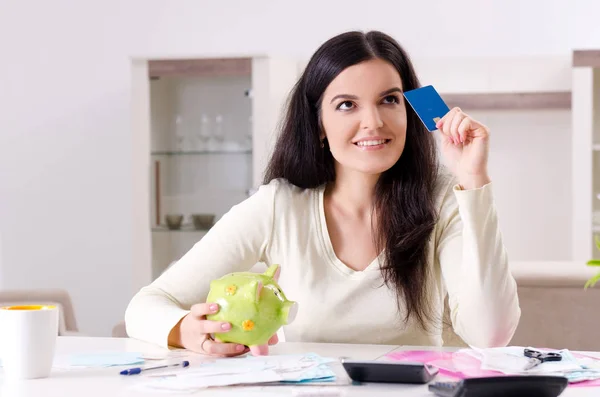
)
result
[(502, 386), (389, 371)]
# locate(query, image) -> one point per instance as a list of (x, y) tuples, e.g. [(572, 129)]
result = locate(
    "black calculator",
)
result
[(389, 371), (502, 386)]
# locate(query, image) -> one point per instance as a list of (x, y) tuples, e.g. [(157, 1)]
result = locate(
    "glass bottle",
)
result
[(204, 133)]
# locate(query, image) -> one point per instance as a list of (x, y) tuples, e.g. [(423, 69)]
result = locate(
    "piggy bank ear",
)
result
[(273, 272), (259, 287)]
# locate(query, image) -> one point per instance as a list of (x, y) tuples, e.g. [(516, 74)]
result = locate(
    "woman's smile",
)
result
[(372, 144)]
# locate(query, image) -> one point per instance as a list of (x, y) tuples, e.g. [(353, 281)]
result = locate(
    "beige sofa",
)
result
[(556, 311)]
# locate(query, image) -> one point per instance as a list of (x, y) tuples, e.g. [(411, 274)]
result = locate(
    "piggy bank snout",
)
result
[(292, 311)]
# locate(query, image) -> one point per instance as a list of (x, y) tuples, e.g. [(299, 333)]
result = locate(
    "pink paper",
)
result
[(459, 365)]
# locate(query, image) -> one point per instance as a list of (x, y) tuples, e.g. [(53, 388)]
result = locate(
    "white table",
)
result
[(106, 382)]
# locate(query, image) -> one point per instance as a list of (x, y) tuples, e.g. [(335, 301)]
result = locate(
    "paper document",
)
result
[(292, 369), (510, 360), (468, 363)]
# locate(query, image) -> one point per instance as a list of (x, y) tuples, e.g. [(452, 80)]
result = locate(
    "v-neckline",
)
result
[(328, 245)]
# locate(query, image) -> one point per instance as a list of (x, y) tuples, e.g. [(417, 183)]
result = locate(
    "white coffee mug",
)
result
[(27, 340)]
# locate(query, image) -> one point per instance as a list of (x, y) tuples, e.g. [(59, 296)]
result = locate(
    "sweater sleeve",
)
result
[(482, 293), (235, 243)]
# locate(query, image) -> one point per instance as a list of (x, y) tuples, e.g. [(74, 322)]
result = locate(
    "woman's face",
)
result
[(364, 117)]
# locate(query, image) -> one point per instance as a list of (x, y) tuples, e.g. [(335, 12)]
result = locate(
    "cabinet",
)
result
[(203, 130), (201, 149), (586, 153)]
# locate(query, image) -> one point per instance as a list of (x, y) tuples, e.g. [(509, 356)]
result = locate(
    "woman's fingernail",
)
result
[(213, 307), (225, 326), (240, 348)]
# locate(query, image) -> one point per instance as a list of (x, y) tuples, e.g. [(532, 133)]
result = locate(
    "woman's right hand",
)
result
[(193, 333)]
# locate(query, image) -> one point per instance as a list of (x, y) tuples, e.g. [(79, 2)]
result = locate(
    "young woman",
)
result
[(370, 232)]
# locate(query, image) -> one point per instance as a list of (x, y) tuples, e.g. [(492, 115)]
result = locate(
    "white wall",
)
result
[(65, 144), (530, 164)]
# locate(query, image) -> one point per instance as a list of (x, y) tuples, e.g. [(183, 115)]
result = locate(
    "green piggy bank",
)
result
[(253, 304)]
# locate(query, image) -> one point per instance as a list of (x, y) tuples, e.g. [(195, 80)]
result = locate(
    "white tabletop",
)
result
[(107, 382)]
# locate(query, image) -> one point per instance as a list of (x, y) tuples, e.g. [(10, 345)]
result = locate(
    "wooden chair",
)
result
[(119, 330)]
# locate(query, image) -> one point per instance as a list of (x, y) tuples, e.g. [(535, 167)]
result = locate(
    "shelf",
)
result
[(596, 147), (211, 67), (596, 228), (586, 58), (184, 229), (200, 152), (510, 100)]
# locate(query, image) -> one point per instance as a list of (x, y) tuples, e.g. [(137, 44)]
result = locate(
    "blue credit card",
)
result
[(427, 104)]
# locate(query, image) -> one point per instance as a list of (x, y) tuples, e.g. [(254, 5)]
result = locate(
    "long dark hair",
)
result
[(404, 195)]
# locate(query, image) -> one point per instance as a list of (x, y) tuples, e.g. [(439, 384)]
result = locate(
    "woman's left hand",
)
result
[(465, 145)]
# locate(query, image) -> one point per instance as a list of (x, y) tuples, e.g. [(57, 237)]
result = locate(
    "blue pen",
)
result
[(135, 371)]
